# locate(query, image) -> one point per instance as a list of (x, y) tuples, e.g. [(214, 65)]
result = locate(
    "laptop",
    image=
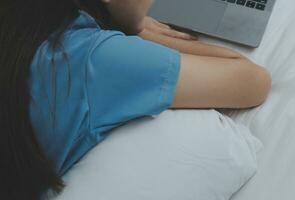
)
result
[(239, 21)]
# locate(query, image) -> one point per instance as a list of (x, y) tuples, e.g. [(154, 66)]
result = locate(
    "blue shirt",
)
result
[(112, 78)]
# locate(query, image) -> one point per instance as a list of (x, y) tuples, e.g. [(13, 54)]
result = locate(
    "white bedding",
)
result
[(271, 122)]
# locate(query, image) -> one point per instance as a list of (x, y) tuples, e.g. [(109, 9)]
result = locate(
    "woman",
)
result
[(73, 70)]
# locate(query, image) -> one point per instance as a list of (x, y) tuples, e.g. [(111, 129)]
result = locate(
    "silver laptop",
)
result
[(240, 21)]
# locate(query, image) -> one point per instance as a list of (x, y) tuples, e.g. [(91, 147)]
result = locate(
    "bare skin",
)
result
[(210, 76)]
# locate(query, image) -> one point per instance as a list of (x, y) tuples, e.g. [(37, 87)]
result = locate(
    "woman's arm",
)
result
[(190, 46), (215, 82), (212, 76)]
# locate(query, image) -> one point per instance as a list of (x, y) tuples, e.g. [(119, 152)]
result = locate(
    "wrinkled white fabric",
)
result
[(179, 155)]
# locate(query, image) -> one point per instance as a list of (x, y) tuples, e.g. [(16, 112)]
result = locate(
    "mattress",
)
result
[(271, 122)]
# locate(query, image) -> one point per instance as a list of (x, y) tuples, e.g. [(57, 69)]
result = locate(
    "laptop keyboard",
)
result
[(256, 4)]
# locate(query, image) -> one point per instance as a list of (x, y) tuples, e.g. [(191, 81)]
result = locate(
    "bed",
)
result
[(272, 123)]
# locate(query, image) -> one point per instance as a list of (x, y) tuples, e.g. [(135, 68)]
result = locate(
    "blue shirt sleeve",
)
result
[(129, 77)]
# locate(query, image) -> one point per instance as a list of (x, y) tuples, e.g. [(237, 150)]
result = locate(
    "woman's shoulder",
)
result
[(85, 30)]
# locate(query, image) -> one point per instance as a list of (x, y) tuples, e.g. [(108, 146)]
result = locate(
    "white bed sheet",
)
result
[(273, 122)]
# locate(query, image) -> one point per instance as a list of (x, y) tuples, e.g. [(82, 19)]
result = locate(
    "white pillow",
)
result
[(179, 155)]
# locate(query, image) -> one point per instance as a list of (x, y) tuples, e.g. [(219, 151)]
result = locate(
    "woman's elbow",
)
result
[(264, 80), (259, 85)]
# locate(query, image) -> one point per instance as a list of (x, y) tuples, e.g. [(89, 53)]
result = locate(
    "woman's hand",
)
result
[(152, 25), (162, 34)]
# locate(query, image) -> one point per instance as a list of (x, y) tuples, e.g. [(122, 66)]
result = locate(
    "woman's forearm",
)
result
[(191, 46)]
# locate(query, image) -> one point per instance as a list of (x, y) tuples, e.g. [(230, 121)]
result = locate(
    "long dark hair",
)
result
[(25, 172)]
